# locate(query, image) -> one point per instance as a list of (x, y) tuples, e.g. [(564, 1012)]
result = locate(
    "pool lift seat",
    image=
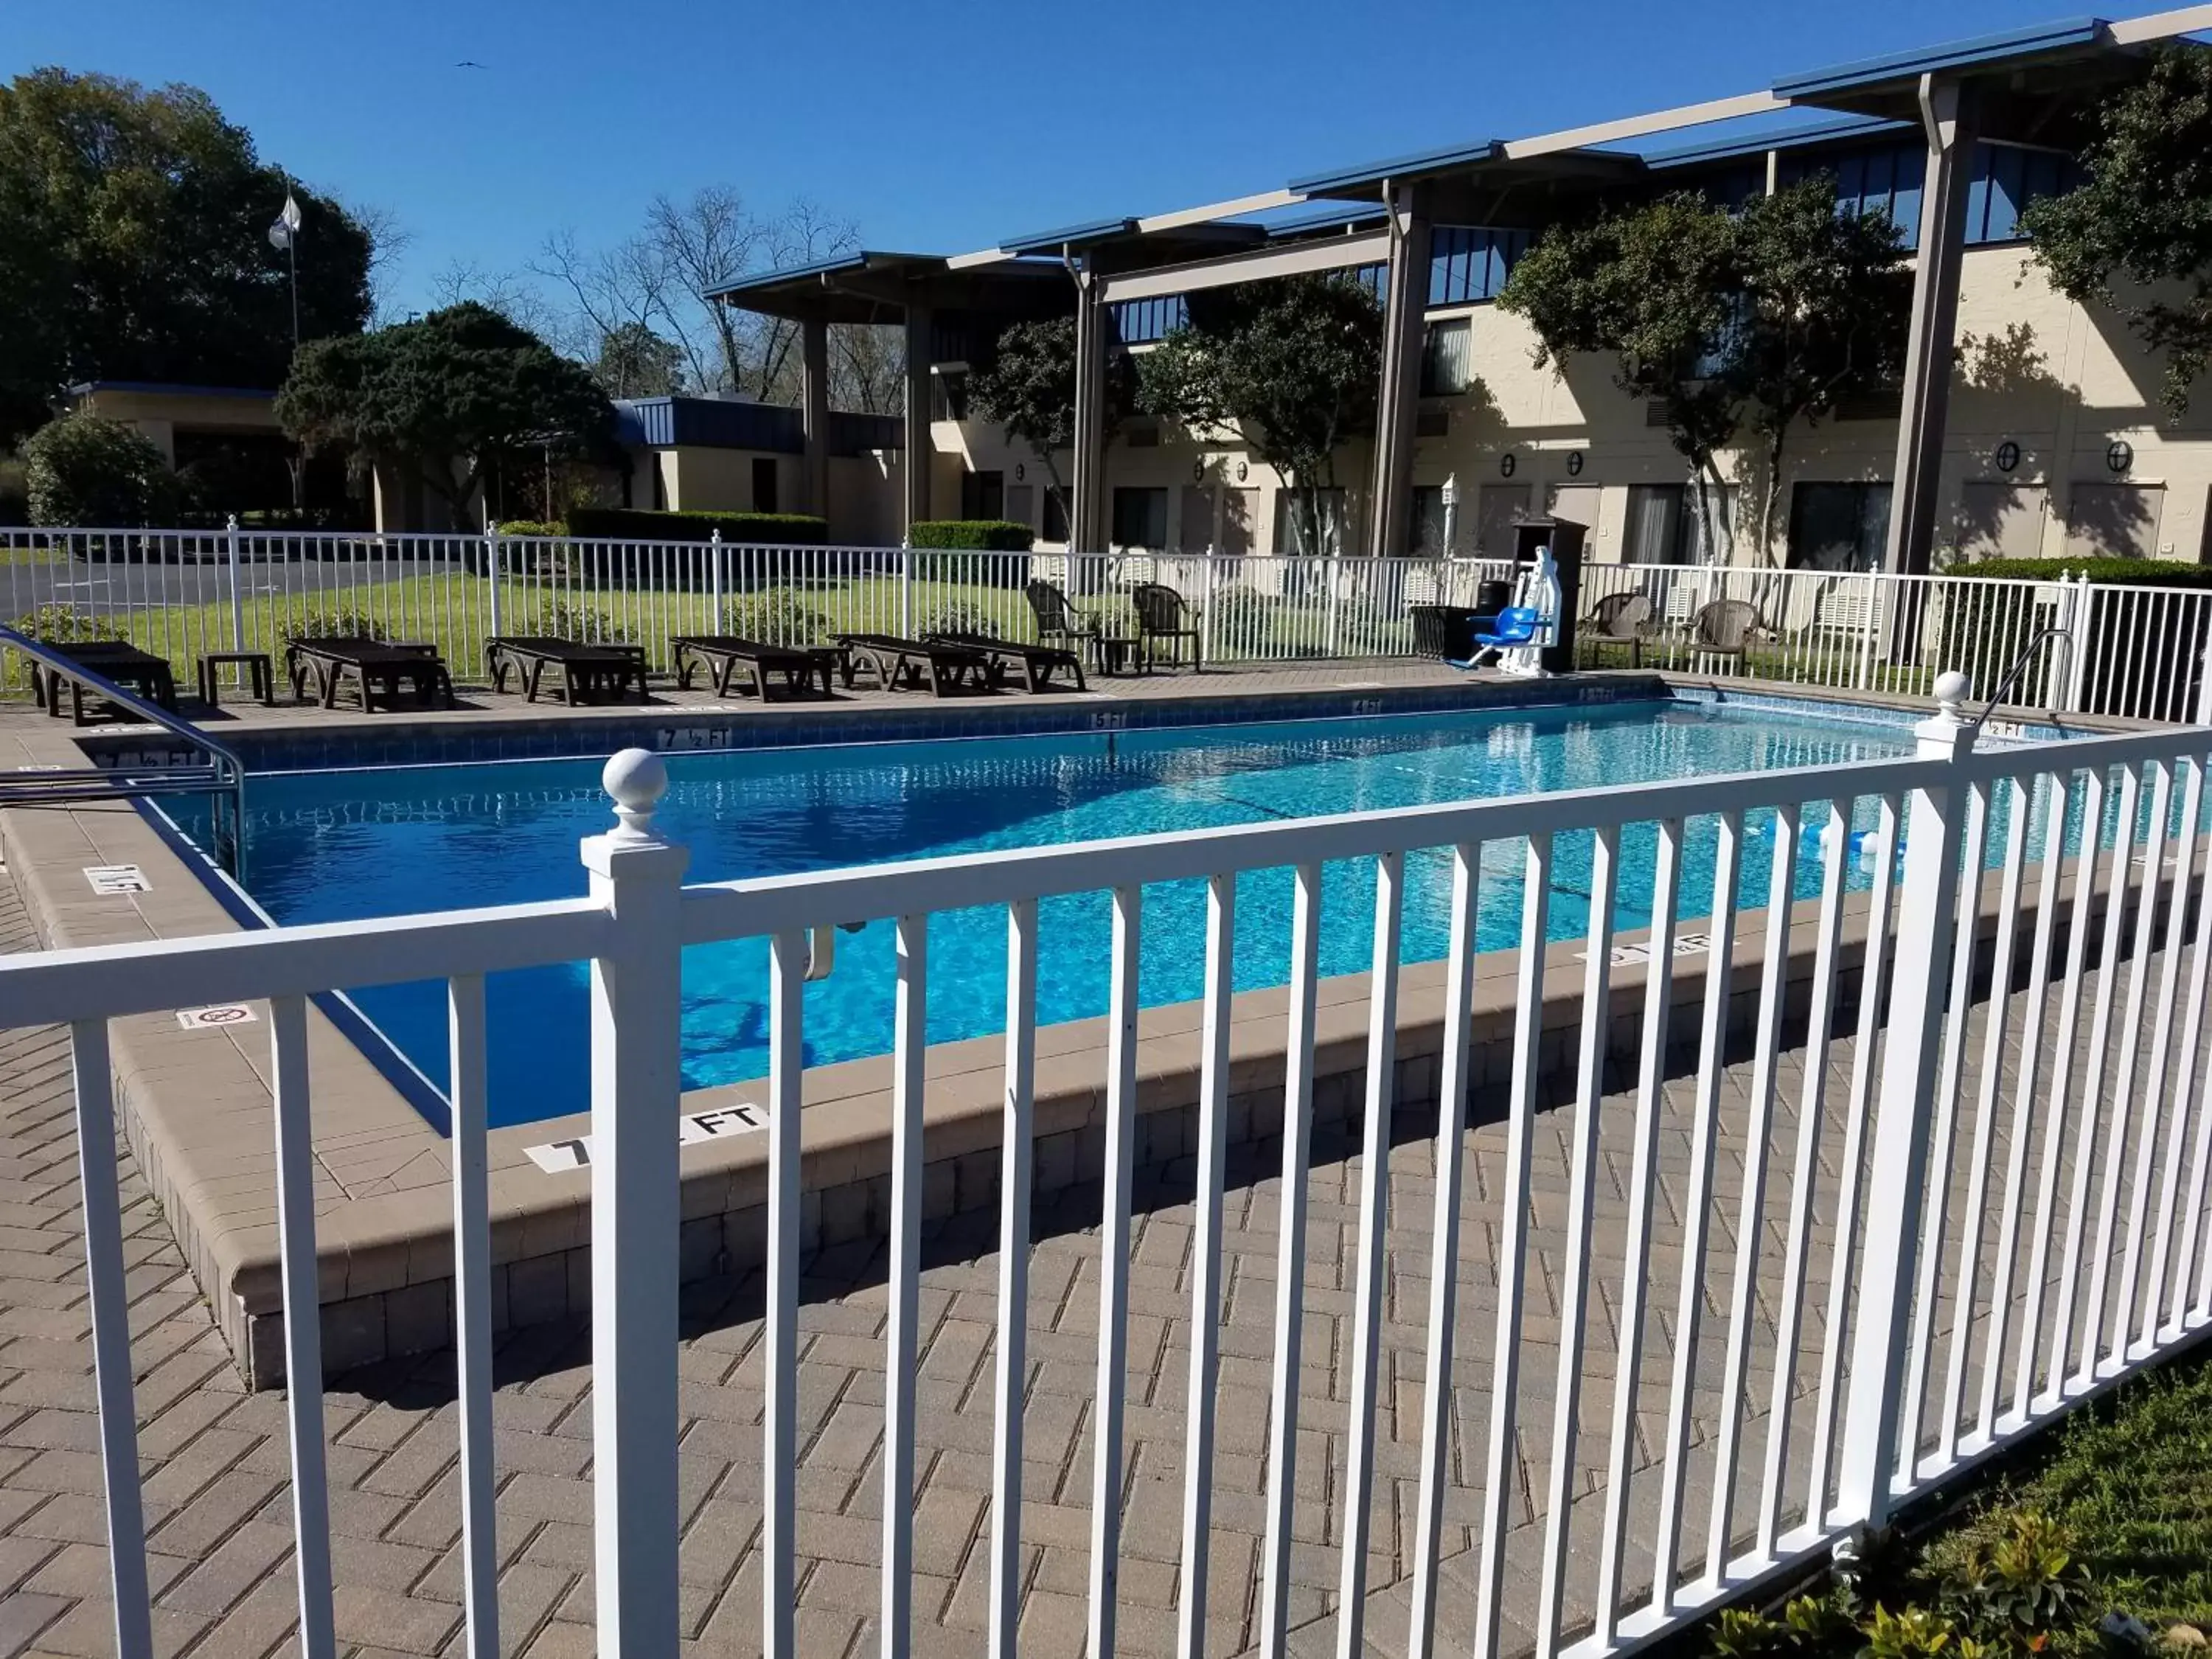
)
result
[(1518, 638)]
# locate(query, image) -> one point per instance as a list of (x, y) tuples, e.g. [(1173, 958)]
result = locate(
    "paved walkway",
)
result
[(215, 1464)]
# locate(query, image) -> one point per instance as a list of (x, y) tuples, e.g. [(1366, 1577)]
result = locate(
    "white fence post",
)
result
[(715, 576), (2077, 642), (636, 1083), (1928, 892), (237, 596), (491, 572), (906, 592), (1329, 571)]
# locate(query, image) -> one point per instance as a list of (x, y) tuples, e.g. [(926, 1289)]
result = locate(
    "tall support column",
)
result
[(814, 365), (1946, 112), (1391, 506), (1086, 520), (919, 451)]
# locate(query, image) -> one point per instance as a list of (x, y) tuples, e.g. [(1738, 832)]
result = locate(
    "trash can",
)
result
[(1444, 631)]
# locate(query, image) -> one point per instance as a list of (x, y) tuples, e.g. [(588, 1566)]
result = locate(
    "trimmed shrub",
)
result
[(978, 535), (562, 620), (776, 617), (2139, 572), (83, 470), (964, 617), (641, 524), (533, 528), (64, 624), (338, 624)]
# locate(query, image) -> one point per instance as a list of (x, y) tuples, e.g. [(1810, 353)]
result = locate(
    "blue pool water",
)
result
[(328, 845)]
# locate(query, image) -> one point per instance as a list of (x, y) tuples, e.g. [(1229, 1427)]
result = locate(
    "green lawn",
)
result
[(2129, 1479), (453, 612)]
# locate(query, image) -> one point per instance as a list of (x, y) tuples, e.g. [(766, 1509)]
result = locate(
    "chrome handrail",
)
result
[(2011, 677), (224, 775)]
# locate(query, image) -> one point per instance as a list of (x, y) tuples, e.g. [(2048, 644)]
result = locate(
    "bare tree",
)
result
[(509, 293), (701, 243), (867, 367), (618, 294), (388, 240), (661, 281)]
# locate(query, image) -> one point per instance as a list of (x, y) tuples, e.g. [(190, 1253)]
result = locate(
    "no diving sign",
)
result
[(556, 1157), (215, 1017)]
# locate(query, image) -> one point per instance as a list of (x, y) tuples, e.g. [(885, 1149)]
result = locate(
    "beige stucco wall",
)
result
[(156, 416), (2061, 382)]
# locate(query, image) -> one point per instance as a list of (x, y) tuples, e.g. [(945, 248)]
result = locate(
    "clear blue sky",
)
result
[(937, 128)]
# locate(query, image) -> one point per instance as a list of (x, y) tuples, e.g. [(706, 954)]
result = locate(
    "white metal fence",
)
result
[(2024, 1232), (2136, 650)]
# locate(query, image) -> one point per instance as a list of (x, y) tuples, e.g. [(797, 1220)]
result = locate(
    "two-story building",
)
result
[(2024, 425)]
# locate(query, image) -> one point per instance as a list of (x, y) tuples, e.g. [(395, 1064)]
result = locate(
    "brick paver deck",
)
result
[(216, 1466)]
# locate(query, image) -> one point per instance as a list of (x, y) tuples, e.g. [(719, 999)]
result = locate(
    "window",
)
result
[(948, 394), (1140, 518), (1839, 527), (982, 494), (1469, 263), (1290, 521), (1021, 504), (1498, 510), (1053, 527), (1444, 357), (764, 483), (1140, 322), (2006, 179), (1428, 521), (1665, 526)]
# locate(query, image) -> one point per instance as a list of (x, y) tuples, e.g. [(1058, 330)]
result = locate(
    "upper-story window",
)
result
[(1445, 368), (1468, 263), (1142, 322), (2005, 179)]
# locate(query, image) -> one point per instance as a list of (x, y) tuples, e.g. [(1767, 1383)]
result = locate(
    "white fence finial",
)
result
[(1952, 690), (636, 778)]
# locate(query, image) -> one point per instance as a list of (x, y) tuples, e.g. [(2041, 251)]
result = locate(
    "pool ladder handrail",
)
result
[(2011, 676), (224, 775)]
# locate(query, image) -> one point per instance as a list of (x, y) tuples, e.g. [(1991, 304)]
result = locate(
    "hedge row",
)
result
[(2145, 573), (756, 529), (973, 535)]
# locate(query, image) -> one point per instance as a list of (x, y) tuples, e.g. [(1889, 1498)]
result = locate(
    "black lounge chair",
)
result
[(588, 672), (722, 654), (115, 660), (1163, 614), (378, 668), (1039, 663), (1058, 622), (906, 663)]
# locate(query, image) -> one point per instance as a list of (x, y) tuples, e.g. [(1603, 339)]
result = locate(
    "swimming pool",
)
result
[(337, 845)]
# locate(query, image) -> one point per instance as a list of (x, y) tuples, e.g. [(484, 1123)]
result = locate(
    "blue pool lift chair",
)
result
[(1516, 625)]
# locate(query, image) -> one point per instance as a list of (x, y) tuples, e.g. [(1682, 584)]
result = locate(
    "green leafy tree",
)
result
[(1026, 387), (1656, 287), (1763, 319), (636, 362), (1289, 367), (2145, 212), (133, 245), (1825, 308), (82, 469), (451, 398)]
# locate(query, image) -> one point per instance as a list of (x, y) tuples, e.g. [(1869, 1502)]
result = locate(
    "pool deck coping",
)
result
[(196, 1104)]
